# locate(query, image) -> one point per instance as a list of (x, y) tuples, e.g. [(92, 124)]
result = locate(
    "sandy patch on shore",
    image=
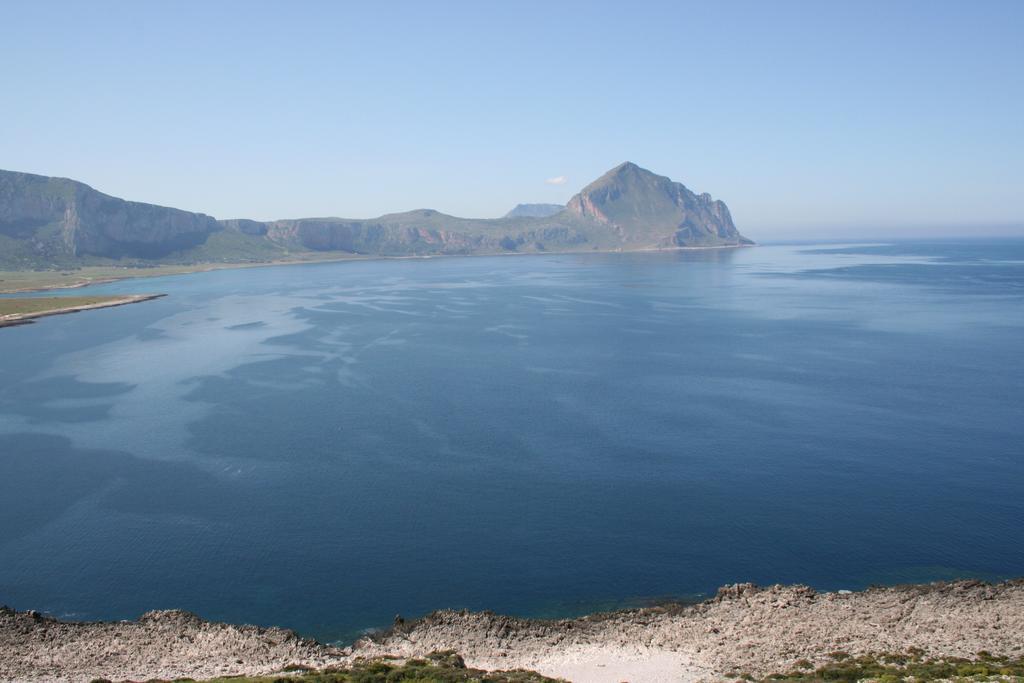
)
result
[(743, 629), (606, 664)]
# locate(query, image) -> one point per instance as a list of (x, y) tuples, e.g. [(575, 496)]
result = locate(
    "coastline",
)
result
[(743, 631), (207, 267), (13, 319)]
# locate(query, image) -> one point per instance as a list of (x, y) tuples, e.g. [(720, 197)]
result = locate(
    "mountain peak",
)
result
[(647, 208), (624, 169), (626, 172), (627, 167)]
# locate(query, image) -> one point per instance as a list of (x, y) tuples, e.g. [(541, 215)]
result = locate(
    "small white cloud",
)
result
[(557, 180)]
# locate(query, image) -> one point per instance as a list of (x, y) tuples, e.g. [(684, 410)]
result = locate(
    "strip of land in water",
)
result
[(23, 310), (928, 632)]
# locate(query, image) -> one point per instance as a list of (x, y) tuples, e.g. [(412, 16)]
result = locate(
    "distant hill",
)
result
[(56, 222), (534, 210)]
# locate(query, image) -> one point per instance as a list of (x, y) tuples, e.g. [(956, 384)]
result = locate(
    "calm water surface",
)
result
[(324, 446)]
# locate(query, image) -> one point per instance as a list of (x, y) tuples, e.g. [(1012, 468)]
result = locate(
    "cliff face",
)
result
[(107, 226), (651, 210), (58, 217), (55, 221)]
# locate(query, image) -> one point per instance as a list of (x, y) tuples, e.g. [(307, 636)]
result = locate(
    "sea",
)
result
[(326, 446)]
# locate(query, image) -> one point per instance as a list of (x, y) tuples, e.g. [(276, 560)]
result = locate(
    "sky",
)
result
[(809, 119)]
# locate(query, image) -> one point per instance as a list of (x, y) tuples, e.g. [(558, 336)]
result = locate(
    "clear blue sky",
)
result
[(807, 118)]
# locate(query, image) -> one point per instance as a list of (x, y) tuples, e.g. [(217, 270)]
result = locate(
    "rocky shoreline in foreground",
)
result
[(743, 630)]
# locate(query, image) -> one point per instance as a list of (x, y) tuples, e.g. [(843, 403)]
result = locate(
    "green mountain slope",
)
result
[(534, 210)]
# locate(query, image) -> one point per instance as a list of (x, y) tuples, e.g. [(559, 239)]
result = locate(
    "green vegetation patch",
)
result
[(28, 280), (35, 305), (912, 666)]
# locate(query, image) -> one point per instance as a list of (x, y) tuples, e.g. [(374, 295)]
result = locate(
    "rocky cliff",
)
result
[(60, 219)]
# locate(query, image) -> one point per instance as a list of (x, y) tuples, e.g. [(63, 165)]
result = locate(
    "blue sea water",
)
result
[(324, 446)]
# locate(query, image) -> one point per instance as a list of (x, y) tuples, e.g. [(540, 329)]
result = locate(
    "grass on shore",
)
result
[(31, 280), (897, 668), (438, 667), (35, 305), (55, 278)]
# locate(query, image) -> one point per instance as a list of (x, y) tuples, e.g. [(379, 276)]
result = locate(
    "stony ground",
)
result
[(743, 630), (169, 644)]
